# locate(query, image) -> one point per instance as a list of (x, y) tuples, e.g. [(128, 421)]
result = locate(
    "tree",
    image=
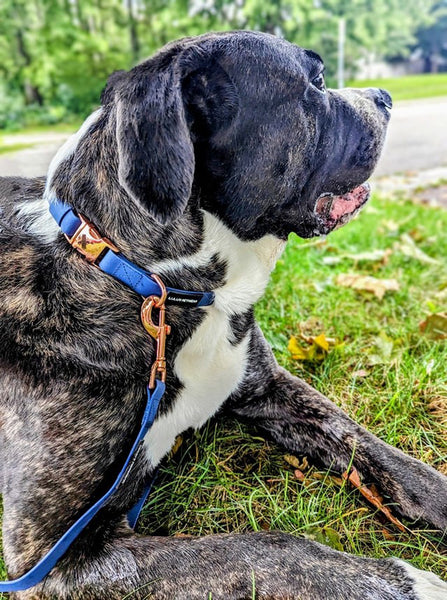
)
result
[(432, 40)]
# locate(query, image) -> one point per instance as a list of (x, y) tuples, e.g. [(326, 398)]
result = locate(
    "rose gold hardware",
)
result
[(159, 331), (164, 293), (89, 242)]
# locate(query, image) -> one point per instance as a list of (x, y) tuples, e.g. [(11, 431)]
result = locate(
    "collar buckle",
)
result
[(87, 240)]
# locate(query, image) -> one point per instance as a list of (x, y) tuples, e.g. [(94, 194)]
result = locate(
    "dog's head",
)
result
[(243, 124)]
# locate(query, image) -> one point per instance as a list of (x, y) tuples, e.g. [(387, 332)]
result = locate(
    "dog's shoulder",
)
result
[(15, 190)]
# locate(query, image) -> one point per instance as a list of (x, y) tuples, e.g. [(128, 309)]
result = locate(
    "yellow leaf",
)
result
[(322, 342), (297, 352), (367, 283)]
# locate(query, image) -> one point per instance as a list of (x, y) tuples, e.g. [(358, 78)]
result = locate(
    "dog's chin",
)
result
[(332, 212)]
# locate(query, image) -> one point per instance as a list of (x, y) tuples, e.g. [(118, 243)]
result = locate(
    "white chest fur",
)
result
[(209, 366)]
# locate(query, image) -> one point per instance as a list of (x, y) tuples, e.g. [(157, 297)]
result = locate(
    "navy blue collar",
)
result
[(103, 254)]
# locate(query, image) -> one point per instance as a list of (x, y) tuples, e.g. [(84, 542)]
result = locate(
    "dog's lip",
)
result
[(334, 211)]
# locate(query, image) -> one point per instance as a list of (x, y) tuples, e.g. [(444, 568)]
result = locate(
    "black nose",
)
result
[(382, 97)]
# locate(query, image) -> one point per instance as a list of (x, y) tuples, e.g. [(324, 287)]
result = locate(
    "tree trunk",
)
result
[(133, 31), (31, 92)]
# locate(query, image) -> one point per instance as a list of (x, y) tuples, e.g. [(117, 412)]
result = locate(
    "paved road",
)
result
[(417, 140), (33, 161), (417, 137)]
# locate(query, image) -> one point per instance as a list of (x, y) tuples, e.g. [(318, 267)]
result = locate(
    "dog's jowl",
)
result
[(197, 166)]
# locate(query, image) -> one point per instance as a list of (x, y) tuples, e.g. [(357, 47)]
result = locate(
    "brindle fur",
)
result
[(169, 142)]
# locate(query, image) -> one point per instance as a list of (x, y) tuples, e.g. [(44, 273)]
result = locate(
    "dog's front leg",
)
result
[(266, 565), (305, 422)]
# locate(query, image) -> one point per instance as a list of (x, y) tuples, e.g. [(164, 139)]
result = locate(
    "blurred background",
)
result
[(55, 56)]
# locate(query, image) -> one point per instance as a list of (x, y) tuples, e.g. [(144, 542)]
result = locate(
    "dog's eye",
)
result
[(318, 82)]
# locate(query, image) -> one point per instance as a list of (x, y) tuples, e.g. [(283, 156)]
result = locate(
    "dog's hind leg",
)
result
[(305, 422), (272, 566)]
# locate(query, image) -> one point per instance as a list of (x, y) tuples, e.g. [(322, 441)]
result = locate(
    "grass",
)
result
[(68, 127), (410, 87), (229, 478), (9, 148)]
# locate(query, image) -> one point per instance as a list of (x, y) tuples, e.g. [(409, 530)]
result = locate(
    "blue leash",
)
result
[(44, 566), (112, 262)]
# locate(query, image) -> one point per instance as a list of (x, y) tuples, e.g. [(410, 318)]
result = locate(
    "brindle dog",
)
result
[(198, 165)]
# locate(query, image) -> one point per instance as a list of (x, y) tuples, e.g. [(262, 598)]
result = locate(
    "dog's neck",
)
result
[(196, 251)]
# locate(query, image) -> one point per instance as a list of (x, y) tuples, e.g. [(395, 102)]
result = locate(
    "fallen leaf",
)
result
[(367, 283), (408, 247), (435, 326), (388, 535), (373, 256), (178, 442), (360, 373), (385, 350), (371, 494), (322, 342), (295, 462), (297, 352), (292, 460), (317, 351), (309, 327), (337, 480), (299, 475)]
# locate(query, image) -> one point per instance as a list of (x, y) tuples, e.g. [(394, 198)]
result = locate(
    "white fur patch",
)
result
[(209, 366), (210, 369), (37, 220), (36, 217), (249, 264), (426, 585)]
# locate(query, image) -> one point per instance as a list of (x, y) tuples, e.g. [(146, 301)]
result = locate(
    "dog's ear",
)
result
[(155, 151), (113, 83)]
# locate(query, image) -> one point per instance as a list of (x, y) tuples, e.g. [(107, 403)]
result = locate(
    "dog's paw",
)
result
[(427, 586)]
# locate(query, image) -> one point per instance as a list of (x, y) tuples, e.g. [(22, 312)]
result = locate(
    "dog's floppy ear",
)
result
[(155, 151), (113, 83)]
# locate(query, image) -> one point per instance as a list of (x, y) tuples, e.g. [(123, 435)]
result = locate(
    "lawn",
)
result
[(385, 374), (410, 87), (382, 370), (9, 148)]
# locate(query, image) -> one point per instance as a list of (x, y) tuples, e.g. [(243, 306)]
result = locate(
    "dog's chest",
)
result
[(210, 367), (211, 364)]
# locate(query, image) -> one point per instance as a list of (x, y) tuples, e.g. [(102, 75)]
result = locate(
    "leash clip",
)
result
[(159, 331), (87, 240)]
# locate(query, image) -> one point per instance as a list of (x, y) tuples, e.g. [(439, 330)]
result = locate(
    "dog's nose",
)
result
[(381, 97)]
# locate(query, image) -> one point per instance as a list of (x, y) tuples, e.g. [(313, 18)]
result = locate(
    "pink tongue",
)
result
[(337, 207), (348, 203)]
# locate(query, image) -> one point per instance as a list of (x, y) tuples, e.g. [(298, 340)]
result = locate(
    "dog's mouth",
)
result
[(334, 211)]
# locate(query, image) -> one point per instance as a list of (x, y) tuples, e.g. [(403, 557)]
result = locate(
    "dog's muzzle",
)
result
[(334, 211)]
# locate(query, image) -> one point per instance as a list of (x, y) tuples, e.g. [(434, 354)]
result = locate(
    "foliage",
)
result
[(59, 52), (432, 40)]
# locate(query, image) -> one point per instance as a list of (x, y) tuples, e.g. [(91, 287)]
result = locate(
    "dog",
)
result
[(198, 164)]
